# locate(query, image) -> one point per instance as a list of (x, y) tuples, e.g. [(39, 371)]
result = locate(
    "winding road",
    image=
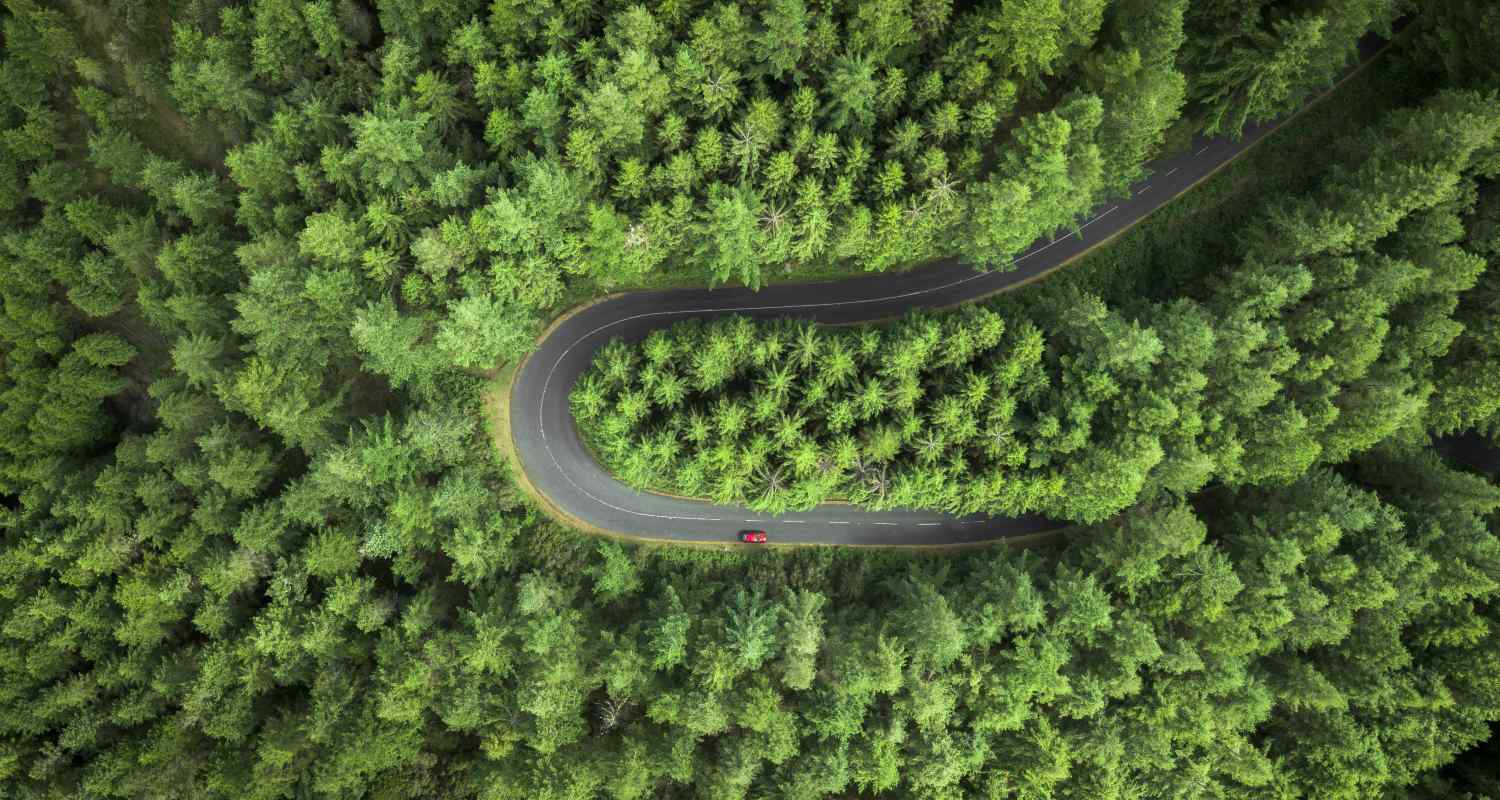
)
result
[(561, 468)]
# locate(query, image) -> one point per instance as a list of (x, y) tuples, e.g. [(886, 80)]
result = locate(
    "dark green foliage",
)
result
[(1458, 37), (1468, 377), (1473, 776), (1252, 60), (257, 258)]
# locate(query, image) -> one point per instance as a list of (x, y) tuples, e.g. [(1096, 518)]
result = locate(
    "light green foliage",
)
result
[(1029, 37), (257, 259), (1264, 58), (480, 332), (1257, 80), (788, 416), (1053, 174)]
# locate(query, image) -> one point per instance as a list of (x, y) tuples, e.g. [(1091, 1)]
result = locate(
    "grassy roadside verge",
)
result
[(495, 398)]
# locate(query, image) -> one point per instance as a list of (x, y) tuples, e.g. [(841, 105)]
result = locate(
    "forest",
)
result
[(1327, 337), (259, 262)]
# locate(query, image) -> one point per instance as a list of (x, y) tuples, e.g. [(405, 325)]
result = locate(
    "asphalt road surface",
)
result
[(561, 467)]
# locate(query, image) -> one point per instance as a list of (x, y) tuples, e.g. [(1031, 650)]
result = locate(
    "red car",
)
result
[(753, 537)]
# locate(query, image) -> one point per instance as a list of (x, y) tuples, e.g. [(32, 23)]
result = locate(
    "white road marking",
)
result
[(1201, 152), (884, 523), (838, 522), (794, 521), (928, 524), (1172, 170)]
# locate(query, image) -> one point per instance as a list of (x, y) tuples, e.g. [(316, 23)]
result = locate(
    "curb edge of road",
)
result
[(496, 401)]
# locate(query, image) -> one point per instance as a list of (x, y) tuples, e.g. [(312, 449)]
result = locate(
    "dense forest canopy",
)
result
[(257, 261), (1325, 339)]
